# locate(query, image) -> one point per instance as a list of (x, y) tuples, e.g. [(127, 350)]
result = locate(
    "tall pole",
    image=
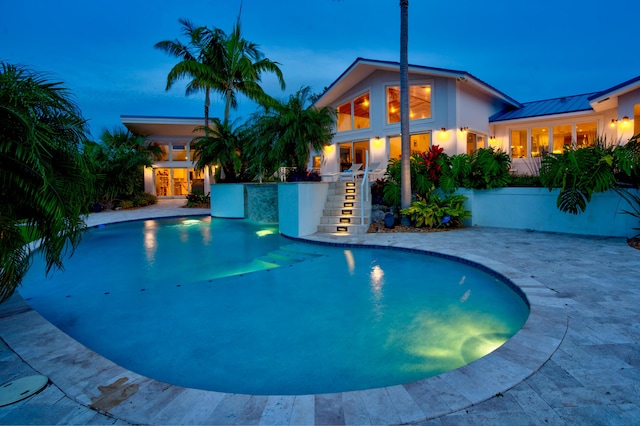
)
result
[(405, 188)]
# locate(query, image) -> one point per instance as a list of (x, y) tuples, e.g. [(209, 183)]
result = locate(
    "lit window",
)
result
[(344, 117), (539, 141), (519, 143), (420, 142), (179, 152), (419, 103), (354, 114), (586, 134), (561, 137)]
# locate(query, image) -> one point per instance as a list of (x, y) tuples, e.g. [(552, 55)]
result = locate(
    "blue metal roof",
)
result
[(562, 105)]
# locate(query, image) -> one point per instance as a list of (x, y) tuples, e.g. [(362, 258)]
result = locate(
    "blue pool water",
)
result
[(232, 306)]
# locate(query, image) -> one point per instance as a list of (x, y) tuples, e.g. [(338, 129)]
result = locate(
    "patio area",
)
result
[(576, 361)]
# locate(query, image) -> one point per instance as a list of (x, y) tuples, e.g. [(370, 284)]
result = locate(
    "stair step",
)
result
[(342, 220), (343, 229)]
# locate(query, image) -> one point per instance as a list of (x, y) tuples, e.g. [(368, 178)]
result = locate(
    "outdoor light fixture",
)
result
[(625, 120), (613, 122), (443, 130), (464, 129)]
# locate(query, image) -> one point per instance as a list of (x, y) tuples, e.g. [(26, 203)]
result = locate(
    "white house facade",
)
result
[(173, 175), (460, 113)]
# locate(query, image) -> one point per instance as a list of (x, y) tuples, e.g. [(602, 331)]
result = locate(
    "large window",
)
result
[(561, 137), (420, 142), (354, 114), (519, 143), (475, 142), (419, 103), (538, 141), (352, 153)]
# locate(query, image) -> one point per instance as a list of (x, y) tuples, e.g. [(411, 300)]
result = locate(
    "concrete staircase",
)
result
[(342, 210)]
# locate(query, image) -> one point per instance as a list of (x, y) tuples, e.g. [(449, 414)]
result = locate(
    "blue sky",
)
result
[(103, 51)]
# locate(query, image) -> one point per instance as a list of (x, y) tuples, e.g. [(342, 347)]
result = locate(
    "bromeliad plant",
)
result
[(435, 211)]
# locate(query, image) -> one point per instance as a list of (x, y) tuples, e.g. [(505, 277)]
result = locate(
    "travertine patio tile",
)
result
[(355, 412), (303, 411), (277, 410), (189, 407)]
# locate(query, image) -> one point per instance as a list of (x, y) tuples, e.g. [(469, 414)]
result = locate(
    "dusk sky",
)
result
[(103, 51)]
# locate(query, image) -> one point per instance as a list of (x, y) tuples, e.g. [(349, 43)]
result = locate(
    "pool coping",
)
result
[(92, 380)]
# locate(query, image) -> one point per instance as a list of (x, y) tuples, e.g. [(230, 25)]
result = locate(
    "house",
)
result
[(173, 174), (461, 113), (450, 108)]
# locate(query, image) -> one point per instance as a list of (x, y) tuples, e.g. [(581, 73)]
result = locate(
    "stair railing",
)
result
[(364, 187)]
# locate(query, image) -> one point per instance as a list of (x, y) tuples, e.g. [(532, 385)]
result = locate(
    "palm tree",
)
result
[(404, 105), (288, 130), (239, 66), (224, 144), (197, 60), (227, 64), (43, 180)]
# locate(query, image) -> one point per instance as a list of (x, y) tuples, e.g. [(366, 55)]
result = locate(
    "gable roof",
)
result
[(362, 68), (608, 99), (563, 105)]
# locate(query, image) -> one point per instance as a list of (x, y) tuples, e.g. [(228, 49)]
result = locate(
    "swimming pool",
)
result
[(232, 306)]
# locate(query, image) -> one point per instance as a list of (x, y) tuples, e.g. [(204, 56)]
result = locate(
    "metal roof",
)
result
[(617, 89), (563, 105)]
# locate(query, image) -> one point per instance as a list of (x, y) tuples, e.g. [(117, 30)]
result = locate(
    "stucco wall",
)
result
[(535, 209)]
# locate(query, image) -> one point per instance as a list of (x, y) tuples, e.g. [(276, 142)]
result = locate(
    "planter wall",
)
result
[(300, 206), (227, 200), (262, 202), (535, 209)]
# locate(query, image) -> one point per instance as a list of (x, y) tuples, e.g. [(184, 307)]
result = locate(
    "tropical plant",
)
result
[(485, 168), (117, 163), (226, 64), (578, 173), (434, 211), (197, 58), (289, 130), (43, 179), (419, 176), (225, 144)]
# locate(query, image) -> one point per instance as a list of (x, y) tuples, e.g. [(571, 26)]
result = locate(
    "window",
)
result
[(354, 114), (192, 153), (474, 142), (539, 141), (315, 161), (352, 152), (420, 142), (586, 134), (636, 119), (179, 153), (419, 103), (519, 143), (561, 137)]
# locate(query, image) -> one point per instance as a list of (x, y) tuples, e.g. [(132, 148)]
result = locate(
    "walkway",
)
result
[(576, 361)]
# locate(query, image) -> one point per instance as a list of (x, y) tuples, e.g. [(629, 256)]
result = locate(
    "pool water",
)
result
[(231, 306)]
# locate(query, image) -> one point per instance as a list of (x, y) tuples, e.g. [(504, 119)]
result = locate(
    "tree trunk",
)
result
[(405, 188)]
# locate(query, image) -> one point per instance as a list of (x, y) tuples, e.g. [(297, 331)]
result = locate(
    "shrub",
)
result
[(435, 212), (484, 169), (531, 181), (197, 199)]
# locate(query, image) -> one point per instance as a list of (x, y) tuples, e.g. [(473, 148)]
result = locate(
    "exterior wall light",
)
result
[(613, 122), (464, 129), (625, 120)]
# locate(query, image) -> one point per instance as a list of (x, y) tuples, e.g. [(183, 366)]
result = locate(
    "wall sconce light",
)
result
[(613, 122), (464, 129), (443, 130), (377, 141), (329, 149), (625, 120)]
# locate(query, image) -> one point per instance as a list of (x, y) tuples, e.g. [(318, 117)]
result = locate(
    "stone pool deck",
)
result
[(576, 361)]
